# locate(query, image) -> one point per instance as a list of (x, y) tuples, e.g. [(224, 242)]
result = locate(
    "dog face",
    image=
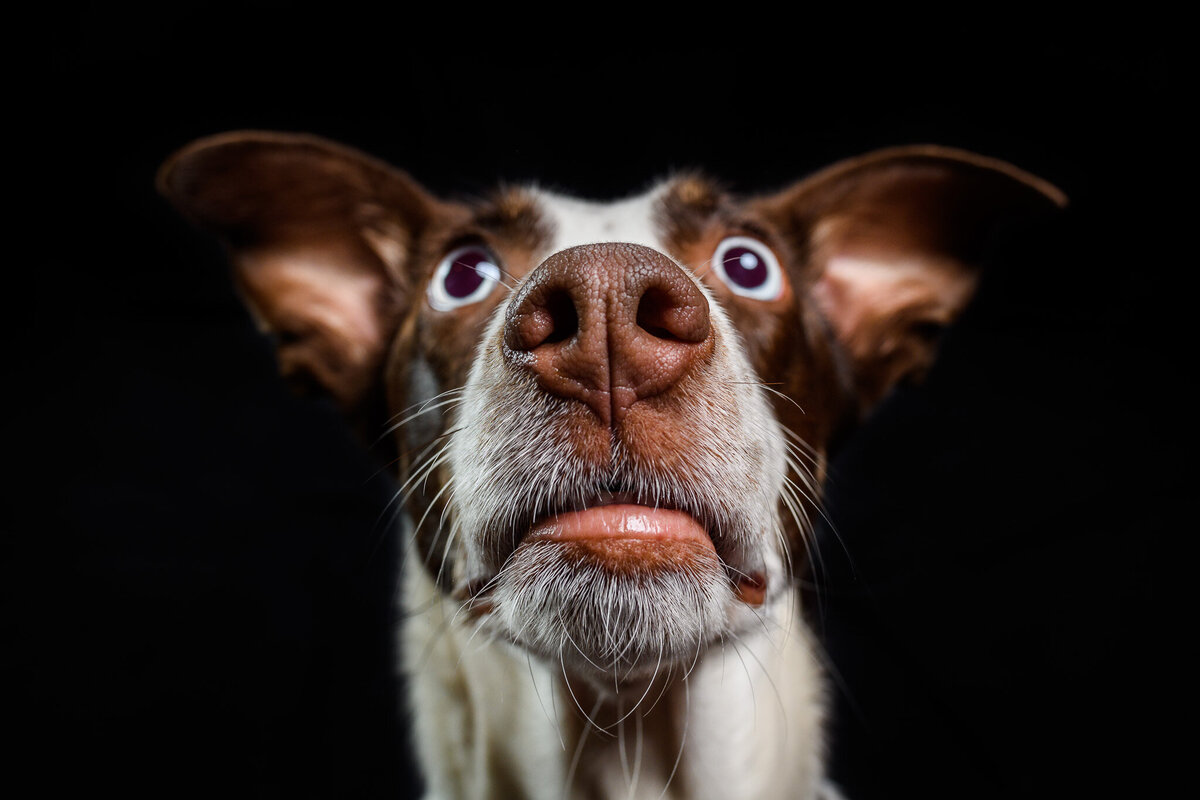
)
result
[(611, 419)]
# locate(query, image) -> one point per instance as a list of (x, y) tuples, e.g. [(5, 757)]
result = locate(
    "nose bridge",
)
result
[(607, 325)]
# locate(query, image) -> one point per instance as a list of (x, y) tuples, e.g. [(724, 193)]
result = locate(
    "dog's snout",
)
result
[(608, 325)]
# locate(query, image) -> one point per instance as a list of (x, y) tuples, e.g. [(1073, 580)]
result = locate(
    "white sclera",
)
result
[(770, 287), (485, 268)]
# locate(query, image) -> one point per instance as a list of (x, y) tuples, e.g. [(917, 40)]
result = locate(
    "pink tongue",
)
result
[(624, 521)]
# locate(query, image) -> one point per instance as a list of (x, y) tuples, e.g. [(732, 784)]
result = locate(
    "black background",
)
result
[(198, 584)]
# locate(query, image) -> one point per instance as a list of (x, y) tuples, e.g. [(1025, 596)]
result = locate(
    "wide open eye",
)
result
[(466, 275), (749, 268)]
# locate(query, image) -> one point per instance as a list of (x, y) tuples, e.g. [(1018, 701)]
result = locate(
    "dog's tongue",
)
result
[(623, 521)]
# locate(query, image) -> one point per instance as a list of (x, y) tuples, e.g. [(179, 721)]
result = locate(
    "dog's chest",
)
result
[(745, 724)]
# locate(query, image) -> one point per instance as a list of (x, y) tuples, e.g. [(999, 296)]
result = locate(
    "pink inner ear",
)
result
[(325, 304), (880, 307), (864, 297), (891, 239)]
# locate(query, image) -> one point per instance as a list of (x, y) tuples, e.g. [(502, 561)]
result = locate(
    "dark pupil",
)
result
[(463, 278), (744, 267)]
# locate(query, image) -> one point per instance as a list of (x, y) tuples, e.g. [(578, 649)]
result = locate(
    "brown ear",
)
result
[(892, 241), (320, 237)]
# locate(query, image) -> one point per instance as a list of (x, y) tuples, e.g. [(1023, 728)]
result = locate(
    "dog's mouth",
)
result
[(616, 583), (623, 532), (621, 521)]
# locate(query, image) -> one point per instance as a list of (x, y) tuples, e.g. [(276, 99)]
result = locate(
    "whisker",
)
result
[(637, 758), (428, 508), (387, 516), (511, 277), (770, 388), (538, 694), (749, 678), (771, 681), (702, 268), (621, 754), (453, 401), (419, 472), (578, 747), (687, 718), (449, 537), (567, 634), (649, 686), (591, 722), (800, 442), (458, 390)]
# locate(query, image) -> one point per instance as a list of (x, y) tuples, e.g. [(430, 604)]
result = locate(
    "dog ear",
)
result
[(320, 237), (891, 242)]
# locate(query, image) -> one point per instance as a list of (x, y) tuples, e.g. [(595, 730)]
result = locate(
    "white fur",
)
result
[(577, 222)]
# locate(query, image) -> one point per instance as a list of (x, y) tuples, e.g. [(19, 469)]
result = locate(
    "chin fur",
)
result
[(611, 617)]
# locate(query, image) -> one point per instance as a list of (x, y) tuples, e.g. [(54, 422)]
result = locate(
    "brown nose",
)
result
[(608, 325)]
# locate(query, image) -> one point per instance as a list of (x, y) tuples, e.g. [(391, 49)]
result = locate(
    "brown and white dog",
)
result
[(612, 422)]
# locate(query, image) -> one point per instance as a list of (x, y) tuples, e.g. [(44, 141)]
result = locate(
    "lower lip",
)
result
[(624, 521)]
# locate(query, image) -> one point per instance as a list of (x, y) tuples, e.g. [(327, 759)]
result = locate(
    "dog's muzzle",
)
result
[(608, 325), (616, 467)]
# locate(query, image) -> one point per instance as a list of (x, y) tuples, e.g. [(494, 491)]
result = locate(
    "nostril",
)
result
[(652, 314), (542, 318), (564, 319), (661, 314)]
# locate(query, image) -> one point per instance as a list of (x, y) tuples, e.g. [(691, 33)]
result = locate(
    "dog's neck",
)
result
[(492, 722)]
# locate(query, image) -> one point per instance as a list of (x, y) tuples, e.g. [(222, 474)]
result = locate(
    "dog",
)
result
[(611, 424)]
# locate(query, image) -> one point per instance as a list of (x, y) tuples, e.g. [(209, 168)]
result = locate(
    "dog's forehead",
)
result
[(571, 222)]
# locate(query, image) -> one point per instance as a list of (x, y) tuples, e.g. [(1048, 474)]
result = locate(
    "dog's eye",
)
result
[(466, 275), (749, 268)]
